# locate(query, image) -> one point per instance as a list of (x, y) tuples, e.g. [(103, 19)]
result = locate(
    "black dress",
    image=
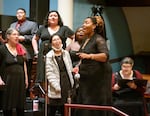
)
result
[(12, 73), (45, 46), (95, 78)]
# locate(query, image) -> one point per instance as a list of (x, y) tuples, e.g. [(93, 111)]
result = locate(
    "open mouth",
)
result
[(81, 35)]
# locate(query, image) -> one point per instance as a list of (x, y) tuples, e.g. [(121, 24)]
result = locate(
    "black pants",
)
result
[(56, 110), (29, 70)]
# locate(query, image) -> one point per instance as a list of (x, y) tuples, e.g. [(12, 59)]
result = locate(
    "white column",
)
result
[(65, 8)]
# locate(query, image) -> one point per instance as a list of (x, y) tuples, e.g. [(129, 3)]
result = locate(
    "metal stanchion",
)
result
[(69, 102), (46, 95)]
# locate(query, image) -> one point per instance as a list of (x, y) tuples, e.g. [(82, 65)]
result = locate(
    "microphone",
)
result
[(77, 76)]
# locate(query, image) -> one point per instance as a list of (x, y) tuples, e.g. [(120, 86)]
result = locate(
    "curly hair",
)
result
[(99, 22)]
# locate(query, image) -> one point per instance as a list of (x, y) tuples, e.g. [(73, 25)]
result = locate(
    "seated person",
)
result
[(129, 98)]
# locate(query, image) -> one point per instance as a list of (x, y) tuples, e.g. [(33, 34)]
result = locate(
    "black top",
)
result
[(125, 92), (64, 31)]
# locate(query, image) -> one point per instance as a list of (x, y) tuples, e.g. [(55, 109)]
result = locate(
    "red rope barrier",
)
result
[(93, 107)]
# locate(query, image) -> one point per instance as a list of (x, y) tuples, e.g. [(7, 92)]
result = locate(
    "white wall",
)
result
[(139, 25)]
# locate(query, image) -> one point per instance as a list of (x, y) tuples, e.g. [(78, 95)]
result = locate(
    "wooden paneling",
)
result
[(38, 10), (5, 21)]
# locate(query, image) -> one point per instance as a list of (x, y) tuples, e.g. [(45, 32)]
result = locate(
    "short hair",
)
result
[(22, 10), (9, 31), (127, 60)]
